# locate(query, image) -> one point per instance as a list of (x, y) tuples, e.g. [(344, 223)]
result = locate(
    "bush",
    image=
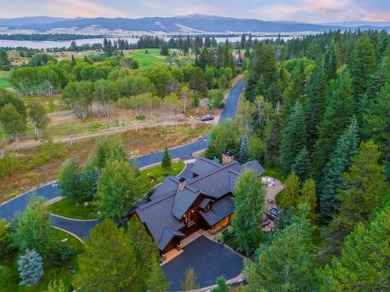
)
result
[(5, 275), (215, 98), (7, 248), (59, 254)]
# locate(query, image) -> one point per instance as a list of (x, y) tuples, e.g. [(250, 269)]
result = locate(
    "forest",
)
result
[(317, 108), (315, 111)]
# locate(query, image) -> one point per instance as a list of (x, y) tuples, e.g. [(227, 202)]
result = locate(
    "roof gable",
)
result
[(217, 183), (183, 201), (169, 185), (157, 215), (203, 166), (255, 165)]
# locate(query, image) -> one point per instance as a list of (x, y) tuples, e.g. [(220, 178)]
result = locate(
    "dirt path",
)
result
[(28, 144)]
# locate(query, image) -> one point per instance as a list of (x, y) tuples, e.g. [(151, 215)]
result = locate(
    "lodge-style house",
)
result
[(179, 207)]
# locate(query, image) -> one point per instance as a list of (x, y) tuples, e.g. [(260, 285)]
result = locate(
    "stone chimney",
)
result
[(182, 183), (227, 157)]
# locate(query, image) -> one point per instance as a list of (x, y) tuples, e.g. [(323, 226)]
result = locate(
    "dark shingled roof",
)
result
[(204, 203), (168, 203), (167, 186), (167, 236), (219, 210), (183, 201), (203, 166), (157, 216), (218, 182), (255, 166)]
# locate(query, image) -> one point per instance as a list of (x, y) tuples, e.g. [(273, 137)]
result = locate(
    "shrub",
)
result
[(5, 275), (59, 254), (7, 248), (215, 98)]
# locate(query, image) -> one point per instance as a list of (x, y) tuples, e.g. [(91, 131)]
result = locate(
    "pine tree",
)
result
[(347, 146), (296, 91), (293, 139), (243, 153), (309, 197), (221, 285), (291, 192), (365, 190), (362, 66), (166, 161), (30, 267), (377, 124), (339, 111), (364, 261), (287, 264), (315, 105), (272, 138), (301, 166), (189, 283)]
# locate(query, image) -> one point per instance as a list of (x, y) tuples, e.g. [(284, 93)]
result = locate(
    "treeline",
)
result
[(47, 37), (318, 108)]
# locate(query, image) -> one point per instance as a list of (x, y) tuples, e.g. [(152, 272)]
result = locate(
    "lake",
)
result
[(66, 44)]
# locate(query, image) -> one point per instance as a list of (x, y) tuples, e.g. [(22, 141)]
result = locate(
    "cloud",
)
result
[(81, 8), (315, 11)]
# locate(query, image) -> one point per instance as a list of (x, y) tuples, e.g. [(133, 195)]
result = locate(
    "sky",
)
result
[(312, 11)]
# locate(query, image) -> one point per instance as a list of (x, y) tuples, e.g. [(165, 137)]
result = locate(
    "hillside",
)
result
[(181, 24)]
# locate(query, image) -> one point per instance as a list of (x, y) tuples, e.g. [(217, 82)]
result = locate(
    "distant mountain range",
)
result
[(195, 23)]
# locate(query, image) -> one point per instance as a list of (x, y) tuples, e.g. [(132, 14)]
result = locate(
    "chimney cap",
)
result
[(228, 153), (182, 179)]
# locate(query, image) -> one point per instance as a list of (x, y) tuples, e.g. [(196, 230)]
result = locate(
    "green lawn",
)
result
[(50, 273), (4, 79), (67, 209), (151, 58), (153, 176), (148, 178)]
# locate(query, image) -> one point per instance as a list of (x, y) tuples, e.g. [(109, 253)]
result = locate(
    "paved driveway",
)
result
[(209, 261), (80, 228)]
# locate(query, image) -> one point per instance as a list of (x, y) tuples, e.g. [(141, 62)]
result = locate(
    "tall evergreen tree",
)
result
[(243, 152), (301, 166), (309, 197), (377, 124), (166, 161), (365, 190), (293, 139), (339, 111), (364, 261), (296, 91), (362, 66), (315, 105), (272, 137), (291, 192), (287, 264), (347, 146)]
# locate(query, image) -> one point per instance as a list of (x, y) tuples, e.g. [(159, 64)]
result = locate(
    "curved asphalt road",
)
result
[(184, 152), (50, 191)]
